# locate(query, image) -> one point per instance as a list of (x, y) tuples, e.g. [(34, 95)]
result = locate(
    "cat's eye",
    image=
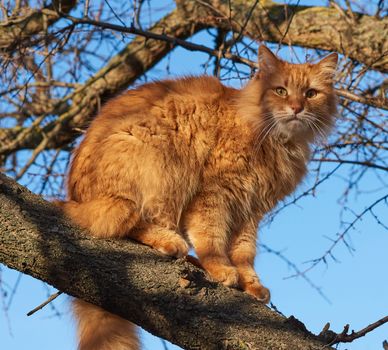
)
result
[(281, 91), (311, 93)]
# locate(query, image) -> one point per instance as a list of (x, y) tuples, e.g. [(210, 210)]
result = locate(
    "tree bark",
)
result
[(358, 36), (17, 30), (169, 298)]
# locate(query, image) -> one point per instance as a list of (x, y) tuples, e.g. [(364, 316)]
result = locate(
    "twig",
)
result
[(273, 307), (340, 237), (164, 343), (378, 102), (281, 256), (86, 8), (311, 190), (41, 306), (344, 337), (345, 161)]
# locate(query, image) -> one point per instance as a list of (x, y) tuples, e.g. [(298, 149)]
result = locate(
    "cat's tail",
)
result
[(104, 217), (97, 328), (101, 330)]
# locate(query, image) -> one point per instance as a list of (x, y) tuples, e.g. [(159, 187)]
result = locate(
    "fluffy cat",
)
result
[(191, 162)]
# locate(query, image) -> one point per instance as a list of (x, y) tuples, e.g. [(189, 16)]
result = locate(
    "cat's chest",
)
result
[(276, 175), (257, 181)]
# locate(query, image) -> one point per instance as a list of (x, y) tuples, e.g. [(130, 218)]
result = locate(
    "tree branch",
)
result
[(15, 31), (313, 27), (344, 337), (170, 298)]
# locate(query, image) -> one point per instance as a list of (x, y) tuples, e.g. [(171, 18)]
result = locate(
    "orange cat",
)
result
[(192, 162)]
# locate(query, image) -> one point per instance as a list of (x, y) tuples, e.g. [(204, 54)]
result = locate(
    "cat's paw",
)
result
[(260, 292), (227, 275), (174, 246)]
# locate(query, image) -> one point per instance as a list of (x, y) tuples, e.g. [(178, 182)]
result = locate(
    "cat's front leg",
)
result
[(242, 255), (205, 222), (162, 234)]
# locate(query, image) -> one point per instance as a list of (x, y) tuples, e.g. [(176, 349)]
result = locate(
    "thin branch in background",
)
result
[(378, 220), (346, 161), (3, 302), (137, 6), (341, 237), (378, 102), (33, 157), (298, 272), (219, 45), (115, 14), (86, 8), (288, 24), (164, 344), (305, 193), (243, 27), (13, 291), (151, 35)]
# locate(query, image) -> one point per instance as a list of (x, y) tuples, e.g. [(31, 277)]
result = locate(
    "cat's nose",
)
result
[(296, 107)]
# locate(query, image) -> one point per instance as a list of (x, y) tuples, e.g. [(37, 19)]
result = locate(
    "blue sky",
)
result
[(357, 286)]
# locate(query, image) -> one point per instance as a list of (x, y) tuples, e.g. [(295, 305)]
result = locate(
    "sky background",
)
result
[(355, 288)]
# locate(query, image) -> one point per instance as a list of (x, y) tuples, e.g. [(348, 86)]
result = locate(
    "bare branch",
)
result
[(41, 306), (341, 237), (344, 337), (16, 30)]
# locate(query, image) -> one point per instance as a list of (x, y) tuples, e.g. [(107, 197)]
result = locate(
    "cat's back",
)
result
[(137, 103), (173, 108), (176, 120)]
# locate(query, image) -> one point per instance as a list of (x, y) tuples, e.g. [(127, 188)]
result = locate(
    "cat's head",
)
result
[(291, 101)]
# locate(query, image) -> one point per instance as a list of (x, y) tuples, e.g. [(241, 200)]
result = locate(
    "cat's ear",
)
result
[(268, 62), (328, 65)]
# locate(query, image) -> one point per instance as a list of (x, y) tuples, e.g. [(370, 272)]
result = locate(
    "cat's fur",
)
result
[(192, 162)]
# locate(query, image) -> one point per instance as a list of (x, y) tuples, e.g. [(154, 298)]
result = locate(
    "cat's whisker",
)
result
[(263, 123), (318, 117), (282, 115), (272, 126), (258, 137), (312, 126), (263, 131), (315, 116), (315, 127), (323, 126)]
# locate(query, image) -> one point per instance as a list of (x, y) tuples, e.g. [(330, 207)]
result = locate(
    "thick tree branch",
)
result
[(314, 27), (170, 298), (15, 31)]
